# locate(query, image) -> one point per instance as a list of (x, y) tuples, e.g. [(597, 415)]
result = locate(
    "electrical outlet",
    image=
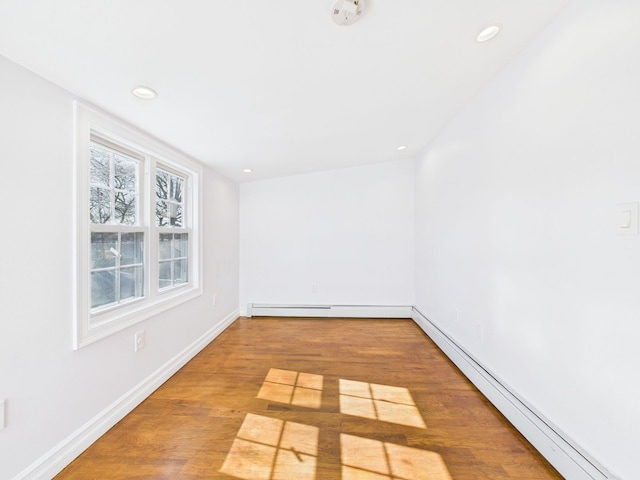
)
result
[(139, 341), (314, 288), (3, 403), (213, 301)]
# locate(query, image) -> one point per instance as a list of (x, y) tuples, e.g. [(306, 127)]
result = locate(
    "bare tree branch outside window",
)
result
[(169, 199), (114, 186), (174, 247)]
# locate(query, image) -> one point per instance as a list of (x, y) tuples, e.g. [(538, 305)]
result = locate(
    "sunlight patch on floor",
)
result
[(294, 388), (379, 402), (367, 459), (268, 448), (272, 449)]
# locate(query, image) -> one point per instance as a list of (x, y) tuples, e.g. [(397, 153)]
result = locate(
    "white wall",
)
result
[(516, 250), (517, 253), (348, 231), (51, 390)]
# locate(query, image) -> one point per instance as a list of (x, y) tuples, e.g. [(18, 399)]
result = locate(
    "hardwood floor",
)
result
[(297, 399)]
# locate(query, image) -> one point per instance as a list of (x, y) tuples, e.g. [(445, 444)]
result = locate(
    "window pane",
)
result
[(103, 288), (179, 222), (166, 239), (99, 205), (180, 268), (99, 169), (126, 207), (181, 245), (114, 186), (131, 248), (162, 184), (165, 275), (125, 173), (161, 214), (131, 283), (169, 199), (177, 186), (175, 215), (104, 250)]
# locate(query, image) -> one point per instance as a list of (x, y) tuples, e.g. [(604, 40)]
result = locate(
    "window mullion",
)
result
[(153, 241), (101, 227)]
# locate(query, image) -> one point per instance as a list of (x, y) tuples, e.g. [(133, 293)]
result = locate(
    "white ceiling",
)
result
[(274, 86)]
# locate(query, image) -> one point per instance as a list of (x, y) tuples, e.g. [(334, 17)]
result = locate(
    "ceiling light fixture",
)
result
[(488, 33), (346, 12), (144, 92), (247, 170), (401, 147)]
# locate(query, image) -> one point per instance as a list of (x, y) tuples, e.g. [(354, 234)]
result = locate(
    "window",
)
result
[(117, 241), (137, 227), (113, 177), (117, 268), (174, 260), (174, 238), (169, 199)]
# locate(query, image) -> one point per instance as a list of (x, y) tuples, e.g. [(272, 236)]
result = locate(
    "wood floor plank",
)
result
[(390, 405)]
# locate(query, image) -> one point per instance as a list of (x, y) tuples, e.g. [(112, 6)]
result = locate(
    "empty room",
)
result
[(326, 239)]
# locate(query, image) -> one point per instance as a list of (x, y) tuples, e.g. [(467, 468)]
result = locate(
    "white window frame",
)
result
[(91, 326), (171, 229)]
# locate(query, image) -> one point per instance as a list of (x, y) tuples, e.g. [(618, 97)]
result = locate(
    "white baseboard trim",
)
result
[(329, 311), (52, 462), (568, 458)]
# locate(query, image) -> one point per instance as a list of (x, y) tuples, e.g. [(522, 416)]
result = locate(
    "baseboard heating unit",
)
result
[(329, 311), (568, 458)]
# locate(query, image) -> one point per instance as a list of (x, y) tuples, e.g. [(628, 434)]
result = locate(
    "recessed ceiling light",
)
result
[(247, 170), (401, 147), (488, 33), (144, 92)]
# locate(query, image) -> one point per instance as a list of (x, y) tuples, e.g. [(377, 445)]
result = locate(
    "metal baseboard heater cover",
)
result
[(329, 311), (567, 457)]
